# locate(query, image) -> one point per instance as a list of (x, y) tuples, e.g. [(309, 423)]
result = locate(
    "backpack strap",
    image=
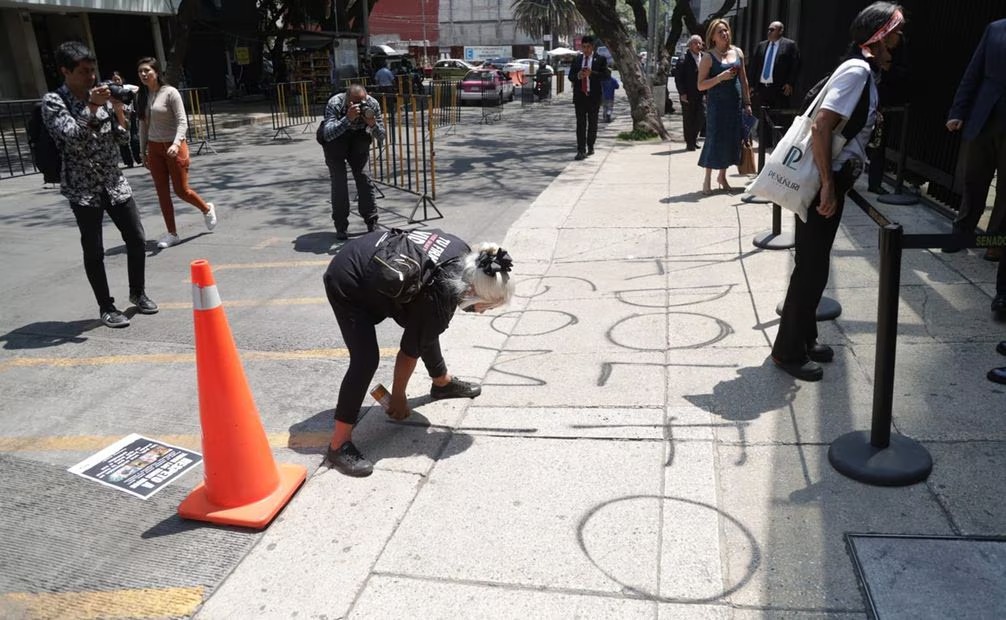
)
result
[(858, 118)]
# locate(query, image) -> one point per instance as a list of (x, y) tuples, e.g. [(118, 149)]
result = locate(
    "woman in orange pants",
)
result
[(162, 141)]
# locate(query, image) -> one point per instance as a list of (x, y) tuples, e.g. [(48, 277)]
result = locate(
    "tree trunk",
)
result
[(604, 21), (186, 17)]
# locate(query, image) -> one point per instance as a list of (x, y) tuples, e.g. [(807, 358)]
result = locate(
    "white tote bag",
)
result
[(790, 177)]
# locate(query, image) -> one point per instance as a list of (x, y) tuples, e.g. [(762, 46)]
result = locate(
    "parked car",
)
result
[(531, 65), (451, 69), (485, 85)]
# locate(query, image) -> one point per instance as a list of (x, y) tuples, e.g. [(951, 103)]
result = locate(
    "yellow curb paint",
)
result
[(176, 358), (246, 303), (92, 443), (139, 603)]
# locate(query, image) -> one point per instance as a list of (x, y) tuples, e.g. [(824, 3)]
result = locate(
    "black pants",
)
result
[(360, 335), (983, 157), (127, 219), (798, 325), (352, 147), (771, 97), (586, 120), (693, 115)]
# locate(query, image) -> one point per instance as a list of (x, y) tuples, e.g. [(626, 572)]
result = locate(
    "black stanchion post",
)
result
[(900, 197), (878, 457), (774, 239)]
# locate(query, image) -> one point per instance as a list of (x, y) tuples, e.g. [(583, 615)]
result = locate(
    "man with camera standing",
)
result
[(586, 73), (88, 133), (352, 121)]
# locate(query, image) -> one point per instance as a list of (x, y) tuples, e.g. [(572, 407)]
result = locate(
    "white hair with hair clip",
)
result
[(480, 287)]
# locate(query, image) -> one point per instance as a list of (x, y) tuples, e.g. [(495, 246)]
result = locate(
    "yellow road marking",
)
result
[(90, 443), (176, 358), (138, 603), (245, 303)]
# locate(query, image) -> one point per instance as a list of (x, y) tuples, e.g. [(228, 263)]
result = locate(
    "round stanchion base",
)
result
[(768, 241), (752, 199), (898, 199), (827, 310), (903, 462)]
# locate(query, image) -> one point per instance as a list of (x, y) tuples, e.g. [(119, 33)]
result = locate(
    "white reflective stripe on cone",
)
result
[(205, 298)]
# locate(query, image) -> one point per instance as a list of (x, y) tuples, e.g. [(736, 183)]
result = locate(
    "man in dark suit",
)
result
[(686, 79), (586, 73), (773, 70), (980, 109)]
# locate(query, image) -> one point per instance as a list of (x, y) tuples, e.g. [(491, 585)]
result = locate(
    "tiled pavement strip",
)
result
[(633, 454)]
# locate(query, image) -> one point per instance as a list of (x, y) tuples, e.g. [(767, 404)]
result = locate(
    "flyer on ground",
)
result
[(137, 465)]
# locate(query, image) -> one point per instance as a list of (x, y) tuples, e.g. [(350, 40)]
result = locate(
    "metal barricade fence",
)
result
[(406, 159), (199, 114), (17, 160), (292, 106)]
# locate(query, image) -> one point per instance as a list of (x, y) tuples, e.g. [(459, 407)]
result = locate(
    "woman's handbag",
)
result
[(747, 163), (790, 177)]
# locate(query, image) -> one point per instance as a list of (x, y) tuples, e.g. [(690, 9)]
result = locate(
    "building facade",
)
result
[(480, 22), (118, 33)]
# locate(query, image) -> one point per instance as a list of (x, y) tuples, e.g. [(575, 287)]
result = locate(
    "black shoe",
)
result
[(340, 235), (993, 254), (590, 151), (348, 461), (691, 147), (372, 224), (999, 303), (804, 371), (455, 389), (880, 191), (997, 375), (954, 246), (1001, 348), (111, 317), (144, 305), (820, 353), (580, 155)]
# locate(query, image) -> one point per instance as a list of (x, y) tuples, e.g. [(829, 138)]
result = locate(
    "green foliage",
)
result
[(637, 135)]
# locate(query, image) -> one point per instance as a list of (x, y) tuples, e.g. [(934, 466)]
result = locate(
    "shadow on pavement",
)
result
[(48, 334)]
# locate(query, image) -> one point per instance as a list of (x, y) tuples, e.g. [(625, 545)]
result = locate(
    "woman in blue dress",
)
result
[(722, 78)]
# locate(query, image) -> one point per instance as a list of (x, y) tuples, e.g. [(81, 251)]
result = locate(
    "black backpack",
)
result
[(405, 262), (44, 150)]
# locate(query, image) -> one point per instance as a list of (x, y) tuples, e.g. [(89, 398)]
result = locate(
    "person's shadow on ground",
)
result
[(45, 334), (754, 391), (379, 437)]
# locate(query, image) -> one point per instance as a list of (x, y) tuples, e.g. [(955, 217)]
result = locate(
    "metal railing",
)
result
[(292, 105), (17, 160), (199, 114)]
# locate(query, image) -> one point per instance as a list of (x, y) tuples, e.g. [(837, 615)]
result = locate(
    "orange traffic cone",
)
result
[(242, 485)]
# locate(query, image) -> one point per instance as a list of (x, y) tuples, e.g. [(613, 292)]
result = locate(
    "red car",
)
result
[(489, 85)]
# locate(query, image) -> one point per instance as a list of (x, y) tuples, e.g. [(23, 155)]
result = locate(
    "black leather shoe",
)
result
[(341, 235), (820, 353), (144, 305), (580, 155), (372, 224), (349, 461), (590, 151), (1001, 348), (880, 191), (998, 375), (954, 246), (993, 254), (804, 371), (999, 303)]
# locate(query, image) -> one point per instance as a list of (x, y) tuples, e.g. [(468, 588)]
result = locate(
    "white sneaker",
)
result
[(211, 217), (167, 240)]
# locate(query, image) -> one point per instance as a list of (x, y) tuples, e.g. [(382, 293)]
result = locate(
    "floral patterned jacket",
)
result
[(89, 145)]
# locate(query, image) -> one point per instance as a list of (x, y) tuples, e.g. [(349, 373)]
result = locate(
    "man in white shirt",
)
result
[(773, 70)]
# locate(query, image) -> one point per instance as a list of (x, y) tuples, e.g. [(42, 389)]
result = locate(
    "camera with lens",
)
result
[(119, 92), (366, 110)]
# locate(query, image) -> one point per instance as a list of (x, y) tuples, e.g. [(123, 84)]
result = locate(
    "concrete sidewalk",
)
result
[(633, 453)]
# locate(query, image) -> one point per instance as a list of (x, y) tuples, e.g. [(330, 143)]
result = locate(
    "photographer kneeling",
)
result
[(352, 121), (453, 275)]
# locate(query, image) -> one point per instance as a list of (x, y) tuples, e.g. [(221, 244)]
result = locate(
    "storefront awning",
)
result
[(141, 7)]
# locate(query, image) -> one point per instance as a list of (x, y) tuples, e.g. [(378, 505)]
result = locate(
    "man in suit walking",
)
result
[(979, 113), (773, 70), (686, 79), (586, 73)]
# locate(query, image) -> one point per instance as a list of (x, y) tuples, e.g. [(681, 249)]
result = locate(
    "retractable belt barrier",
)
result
[(877, 457), (292, 106), (406, 159)]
